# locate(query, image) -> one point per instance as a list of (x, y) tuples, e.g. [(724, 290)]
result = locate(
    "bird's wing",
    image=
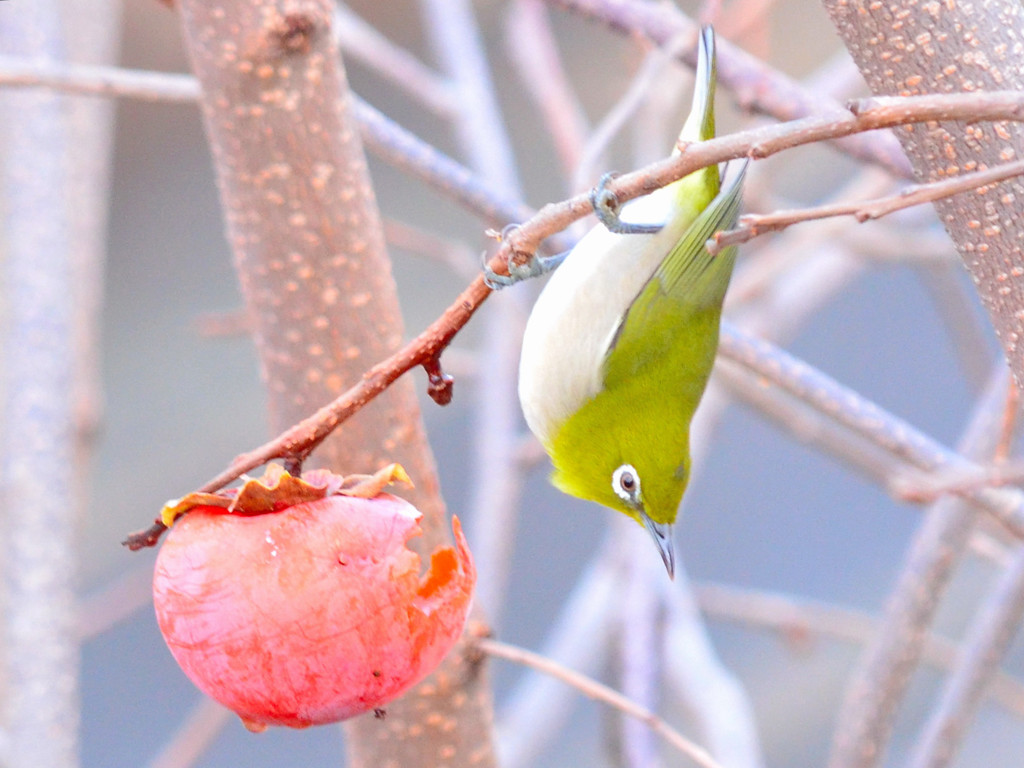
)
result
[(683, 295)]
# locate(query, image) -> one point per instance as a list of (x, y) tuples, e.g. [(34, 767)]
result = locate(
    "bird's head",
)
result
[(643, 479)]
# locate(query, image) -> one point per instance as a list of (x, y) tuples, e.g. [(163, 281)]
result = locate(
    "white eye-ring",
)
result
[(626, 484)]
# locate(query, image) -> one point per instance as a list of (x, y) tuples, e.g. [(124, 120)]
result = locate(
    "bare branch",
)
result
[(531, 44), (201, 726), (754, 225), (86, 80), (599, 692), (901, 441), (800, 620), (766, 141), (756, 86), (362, 42), (303, 437), (986, 645), (877, 688)]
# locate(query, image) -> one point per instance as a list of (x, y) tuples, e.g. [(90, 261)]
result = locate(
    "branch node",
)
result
[(858, 106), (293, 34), (293, 463), (440, 385), (145, 538)]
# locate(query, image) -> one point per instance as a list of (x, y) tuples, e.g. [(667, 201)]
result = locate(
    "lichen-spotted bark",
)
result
[(304, 227), (908, 47)]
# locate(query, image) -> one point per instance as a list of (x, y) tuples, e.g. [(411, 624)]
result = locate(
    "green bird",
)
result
[(619, 347)]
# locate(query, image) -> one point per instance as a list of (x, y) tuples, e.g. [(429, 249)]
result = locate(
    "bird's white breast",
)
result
[(579, 309)]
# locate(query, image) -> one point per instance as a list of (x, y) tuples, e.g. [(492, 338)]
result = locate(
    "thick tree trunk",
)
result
[(305, 230), (905, 48)]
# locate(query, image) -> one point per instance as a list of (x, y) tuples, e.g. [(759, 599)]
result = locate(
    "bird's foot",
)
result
[(534, 266), (606, 207)]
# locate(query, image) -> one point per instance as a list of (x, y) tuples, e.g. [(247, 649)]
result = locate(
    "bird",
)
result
[(619, 346)]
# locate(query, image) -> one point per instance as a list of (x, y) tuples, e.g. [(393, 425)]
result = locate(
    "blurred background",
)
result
[(766, 512)]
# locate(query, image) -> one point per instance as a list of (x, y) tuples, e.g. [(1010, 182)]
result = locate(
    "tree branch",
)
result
[(802, 621), (361, 41), (876, 690), (967, 47), (299, 440), (754, 225), (599, 692), (383, 137), (809, 387), (986, 645), (756, 86)]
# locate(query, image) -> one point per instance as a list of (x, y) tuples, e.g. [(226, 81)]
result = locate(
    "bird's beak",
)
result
[(662, 535)]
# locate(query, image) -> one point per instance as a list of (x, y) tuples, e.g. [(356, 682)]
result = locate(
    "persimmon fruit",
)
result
[(311, 613)]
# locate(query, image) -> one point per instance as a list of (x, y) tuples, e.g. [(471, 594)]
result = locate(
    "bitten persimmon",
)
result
[(311, 613)]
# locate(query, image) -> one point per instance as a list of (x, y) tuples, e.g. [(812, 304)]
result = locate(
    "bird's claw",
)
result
[(606, 208), (496, 282), (535, 266)]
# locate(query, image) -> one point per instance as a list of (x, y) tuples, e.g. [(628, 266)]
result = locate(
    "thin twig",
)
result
[(458, 44), (753, 225), (599, 692), (792, 255), (364, 43), (91, 80), (756, 86), (800, 620), (194, 736), (878, 686), (986, 645), (812, 388), (299, 440), (765, 141), (533, 49), (383, 137), (536, 710), (958, 481)]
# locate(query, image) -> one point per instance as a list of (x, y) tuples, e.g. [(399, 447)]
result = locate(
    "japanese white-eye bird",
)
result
[(619, 346)]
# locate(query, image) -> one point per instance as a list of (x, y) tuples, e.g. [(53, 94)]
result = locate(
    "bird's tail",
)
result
[(695, 192), (700, 125)]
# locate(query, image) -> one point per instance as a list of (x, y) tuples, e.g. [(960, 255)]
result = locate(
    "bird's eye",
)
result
[(626, 484)]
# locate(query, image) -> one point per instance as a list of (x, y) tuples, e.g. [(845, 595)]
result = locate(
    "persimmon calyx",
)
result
[(277, 489)]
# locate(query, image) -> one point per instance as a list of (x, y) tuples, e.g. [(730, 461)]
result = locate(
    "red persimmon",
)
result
[(310, 614)]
